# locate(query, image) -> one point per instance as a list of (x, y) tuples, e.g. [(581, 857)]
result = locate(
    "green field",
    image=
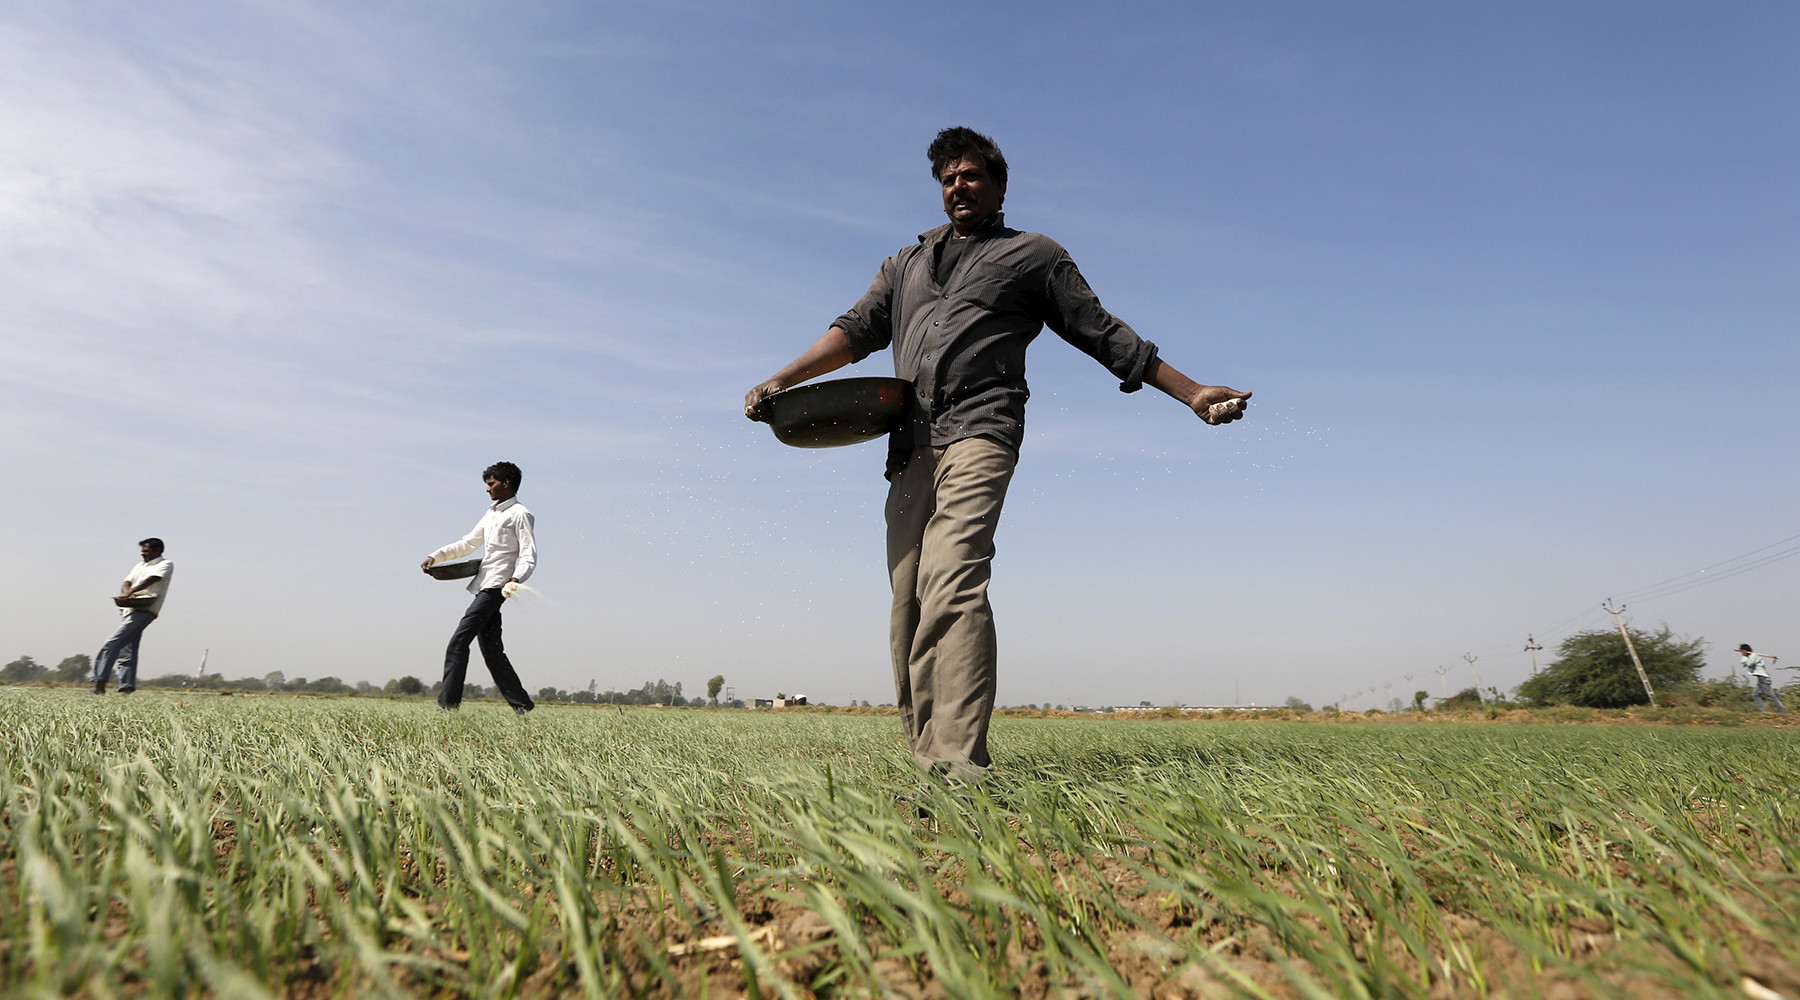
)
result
[(164, 845)]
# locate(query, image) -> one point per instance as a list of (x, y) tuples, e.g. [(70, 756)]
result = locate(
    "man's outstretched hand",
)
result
[(827, 354), (755, 401), (1215, 404), (1218, 404)]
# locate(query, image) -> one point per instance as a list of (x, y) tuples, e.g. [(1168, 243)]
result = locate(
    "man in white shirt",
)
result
[(140, 600), (1759, 672), (508, 557)]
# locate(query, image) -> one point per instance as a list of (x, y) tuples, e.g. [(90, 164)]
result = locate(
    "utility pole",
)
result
[(1389, 705), (1639, 664), (1471, 658), (1532, 647), (201, 673), (1443, 685)]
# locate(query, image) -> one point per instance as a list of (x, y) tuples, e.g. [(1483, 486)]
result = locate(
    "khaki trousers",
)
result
[(942, 510)]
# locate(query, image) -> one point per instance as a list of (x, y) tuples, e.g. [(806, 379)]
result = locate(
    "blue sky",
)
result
[(1513, 285)]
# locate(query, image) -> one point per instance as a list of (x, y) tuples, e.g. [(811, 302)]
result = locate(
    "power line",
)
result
[(1569, 626), (1648, 594), (1666, 588), (1639, 593), (1686, 582)]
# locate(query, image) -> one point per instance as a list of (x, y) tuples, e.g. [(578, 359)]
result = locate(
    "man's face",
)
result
[(149, 552), (971, 196), (499, 489)]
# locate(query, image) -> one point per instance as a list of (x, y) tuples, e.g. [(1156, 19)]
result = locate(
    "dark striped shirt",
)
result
[(960, 336)]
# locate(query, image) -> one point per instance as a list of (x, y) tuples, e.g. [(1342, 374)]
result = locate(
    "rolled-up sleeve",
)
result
[(527, 560), (1074, 313), (869, 324)]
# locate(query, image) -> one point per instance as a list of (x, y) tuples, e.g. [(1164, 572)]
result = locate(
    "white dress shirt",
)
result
[(159, 590), (510, 551)]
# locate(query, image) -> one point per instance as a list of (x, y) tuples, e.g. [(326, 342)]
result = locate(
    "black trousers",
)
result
[(481, 623)]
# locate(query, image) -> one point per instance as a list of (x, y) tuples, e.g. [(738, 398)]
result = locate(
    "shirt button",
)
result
[(927, 357)]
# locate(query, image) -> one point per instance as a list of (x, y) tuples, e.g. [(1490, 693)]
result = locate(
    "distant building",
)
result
[(788, 702)]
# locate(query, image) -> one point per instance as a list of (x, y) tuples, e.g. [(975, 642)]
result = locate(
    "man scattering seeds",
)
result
[(959, 308), (509, 554), (139, 600)]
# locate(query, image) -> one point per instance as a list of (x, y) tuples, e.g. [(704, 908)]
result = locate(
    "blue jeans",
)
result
[(1766, 687), (122, 649), (481, 622)]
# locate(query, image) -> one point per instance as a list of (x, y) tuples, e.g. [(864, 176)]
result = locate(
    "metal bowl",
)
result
[(459, 570), (839, 412)]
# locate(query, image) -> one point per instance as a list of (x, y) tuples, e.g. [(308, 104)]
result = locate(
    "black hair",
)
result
[(155, 543), (1745, 648), (953, 144), (504, 472)]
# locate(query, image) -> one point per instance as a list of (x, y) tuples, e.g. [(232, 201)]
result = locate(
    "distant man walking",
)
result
[(509, 554), (959, 308), (140, 600), (1759, 670)]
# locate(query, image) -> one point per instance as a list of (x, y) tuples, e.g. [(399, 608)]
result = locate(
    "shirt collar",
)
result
[(503, 504), (993, 223)]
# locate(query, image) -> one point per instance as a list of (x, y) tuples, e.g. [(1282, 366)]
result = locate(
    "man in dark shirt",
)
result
[(959, 308)]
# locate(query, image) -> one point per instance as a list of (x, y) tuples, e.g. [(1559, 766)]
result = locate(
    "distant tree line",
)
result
[(25, 670), (657, 692), (1593, 670), (275, 680), (79, 668)]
